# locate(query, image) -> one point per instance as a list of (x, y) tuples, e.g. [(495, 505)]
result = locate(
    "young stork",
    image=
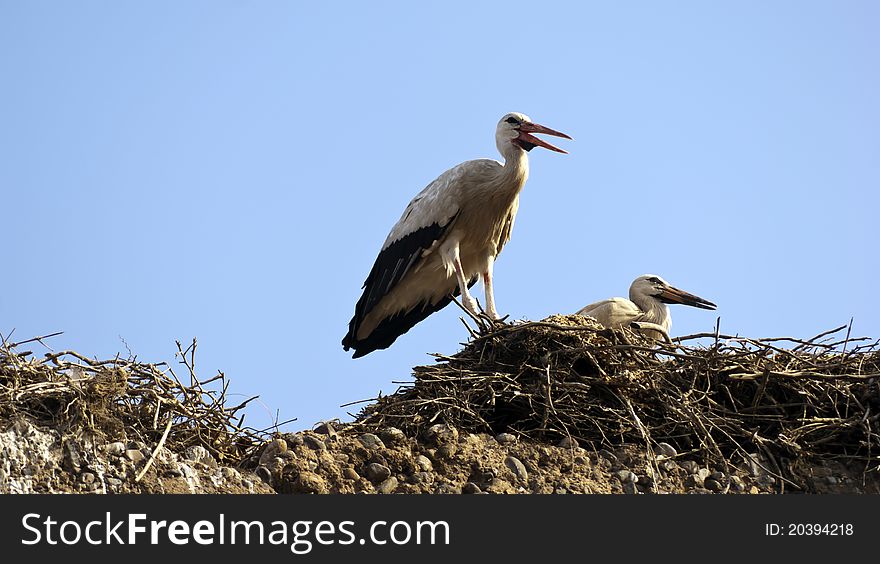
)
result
[(646, 307), (447, 238)]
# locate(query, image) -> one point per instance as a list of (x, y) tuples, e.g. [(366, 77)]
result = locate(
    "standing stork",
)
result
[(646, 306), (446, 239)]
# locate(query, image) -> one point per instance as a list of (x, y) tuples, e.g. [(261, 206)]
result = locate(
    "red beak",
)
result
[(526, 128)]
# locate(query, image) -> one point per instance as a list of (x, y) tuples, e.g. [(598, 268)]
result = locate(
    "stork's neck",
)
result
[(655, 310), (515, 171)]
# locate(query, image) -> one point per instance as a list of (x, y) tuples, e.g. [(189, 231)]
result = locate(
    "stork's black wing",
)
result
[(392, 264)]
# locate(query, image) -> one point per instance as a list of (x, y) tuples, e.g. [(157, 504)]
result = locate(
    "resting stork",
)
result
[(646, 307), (447, 238)]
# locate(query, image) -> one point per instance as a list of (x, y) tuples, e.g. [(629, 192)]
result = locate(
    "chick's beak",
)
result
[(671, 295)]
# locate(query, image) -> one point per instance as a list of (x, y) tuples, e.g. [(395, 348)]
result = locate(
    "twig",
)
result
[(159, 445)]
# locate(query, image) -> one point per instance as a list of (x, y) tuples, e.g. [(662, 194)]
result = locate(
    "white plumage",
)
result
[(648, 296), (447, 237)]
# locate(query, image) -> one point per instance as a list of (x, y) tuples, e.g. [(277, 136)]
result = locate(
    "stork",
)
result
[(446, 239), (646, 307)]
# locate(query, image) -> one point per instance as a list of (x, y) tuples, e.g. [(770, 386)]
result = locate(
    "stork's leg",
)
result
[(466, 298), (490, 292)]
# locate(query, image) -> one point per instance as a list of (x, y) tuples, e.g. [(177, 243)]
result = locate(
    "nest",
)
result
[(724, 398), (123, 400)]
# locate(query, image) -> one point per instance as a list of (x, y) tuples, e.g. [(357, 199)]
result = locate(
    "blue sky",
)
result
[(229, 170)]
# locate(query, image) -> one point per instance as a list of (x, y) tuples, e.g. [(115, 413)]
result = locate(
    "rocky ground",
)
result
[(446, 461), (40, 460), (36, 459)]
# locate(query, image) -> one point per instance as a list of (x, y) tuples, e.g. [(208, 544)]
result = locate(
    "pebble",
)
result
[(688, 465), (388, 486), (471, 488), (717, 475), (87, 477), (350, 473), (668, 465), (314, 442), (666, 449), (114, 482), (446, 489), (627, 477), (294, 439), (832, 480), (498, 486), (371, 441), (324, 428), (424, 463), (737, 483), (230, 474), (263, 473), (645, 481), (377, 472), (630, 488), (272, 449), (517, 467), (442, 434), (568, 442), (309, 482), (72, 450), (505, 438), (713, 485), (447, 451), (392, 435), (134, 455), (608, 455), (198, 453), (423, 478), (116, 449), (702, 474)]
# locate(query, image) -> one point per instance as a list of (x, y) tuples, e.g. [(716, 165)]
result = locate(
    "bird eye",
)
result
[(654, 280), (512, 120)]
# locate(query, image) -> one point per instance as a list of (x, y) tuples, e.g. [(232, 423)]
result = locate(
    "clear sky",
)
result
[(228, 170)]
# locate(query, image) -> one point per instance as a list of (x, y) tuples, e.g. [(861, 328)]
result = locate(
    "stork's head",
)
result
[(515, 129), (651, 285)]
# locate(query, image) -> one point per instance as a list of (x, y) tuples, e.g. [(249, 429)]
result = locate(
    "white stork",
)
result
[(646, 306), (447, 237)]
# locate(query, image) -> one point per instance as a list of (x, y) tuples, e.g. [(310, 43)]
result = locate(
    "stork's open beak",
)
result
[(526, 128), (671, 295)]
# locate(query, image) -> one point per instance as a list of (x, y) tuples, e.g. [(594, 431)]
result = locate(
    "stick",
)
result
[(156, 450)]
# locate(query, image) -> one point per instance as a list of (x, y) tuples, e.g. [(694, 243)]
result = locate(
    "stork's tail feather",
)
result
[(391, 328)]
